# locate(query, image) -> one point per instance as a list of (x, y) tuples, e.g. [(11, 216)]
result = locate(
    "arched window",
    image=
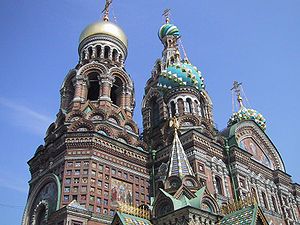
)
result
[(93, 87), (219, 185), (154, 112), (173, 109), (189, 105), (114, 55), (120, 58), (40, 215), (90, 52), (98, 50), (83, 55), (106, 52), (202, 108), (274, 204), (180, 106), (264, 197), (116, 91)]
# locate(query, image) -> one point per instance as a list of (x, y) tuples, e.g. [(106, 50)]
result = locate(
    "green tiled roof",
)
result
[(245, 216), (127, 219)]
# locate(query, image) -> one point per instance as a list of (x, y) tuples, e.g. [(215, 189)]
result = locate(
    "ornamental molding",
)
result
[(249, 129), (119, 72), (103, 37), (92, 66), (41, 204)]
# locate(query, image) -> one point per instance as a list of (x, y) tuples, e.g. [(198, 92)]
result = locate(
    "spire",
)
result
[(105, 11), (179, 164)]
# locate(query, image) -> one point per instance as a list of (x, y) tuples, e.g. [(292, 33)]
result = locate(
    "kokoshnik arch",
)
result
[(182, 170)]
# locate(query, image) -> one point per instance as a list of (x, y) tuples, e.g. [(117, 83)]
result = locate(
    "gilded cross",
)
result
[(166, 14), (105, 11)]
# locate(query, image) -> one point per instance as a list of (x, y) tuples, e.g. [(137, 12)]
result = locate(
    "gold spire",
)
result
[(105, 11), (166, 14)]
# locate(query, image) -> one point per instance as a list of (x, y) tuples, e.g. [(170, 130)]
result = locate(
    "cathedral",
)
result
[(96, 167)]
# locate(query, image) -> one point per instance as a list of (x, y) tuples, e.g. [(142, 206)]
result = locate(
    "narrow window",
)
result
[(93, 87), (219, 185), (274, 204), (98, 51), (114, 55), (116, 91), (154, 112), (265, 200), (180, 106), (189, 105), (90, 52), (173, 109), (106, 52)]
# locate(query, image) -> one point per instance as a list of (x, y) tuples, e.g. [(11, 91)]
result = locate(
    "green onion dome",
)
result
[(168, 29), (181, 74), (248, 114)]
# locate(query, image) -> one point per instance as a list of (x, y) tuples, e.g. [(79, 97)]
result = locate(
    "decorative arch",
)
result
[(117, 72), (93, 66), (163, 206), (106, 130), (249, 129), (82, 123), (173, 182), (97, 115), (113, 118), (130, 126), (123, 136), (74, 116), (40, 215), (35, 193), (67, 90), (210, 204)]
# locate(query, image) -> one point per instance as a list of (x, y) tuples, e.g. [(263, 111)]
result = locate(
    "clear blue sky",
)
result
[(255, 42)]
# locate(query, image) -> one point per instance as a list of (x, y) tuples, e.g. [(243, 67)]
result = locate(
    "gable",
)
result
[(249, 137)]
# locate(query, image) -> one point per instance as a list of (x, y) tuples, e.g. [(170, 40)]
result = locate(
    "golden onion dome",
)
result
[(104, 27)]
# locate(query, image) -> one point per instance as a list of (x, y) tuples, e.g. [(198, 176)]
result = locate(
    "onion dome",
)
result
[(168, 29), (180, 74), (247, 114), (106, 28)]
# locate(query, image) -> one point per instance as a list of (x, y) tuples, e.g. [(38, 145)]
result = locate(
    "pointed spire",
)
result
[(105, 11), (179, 164)]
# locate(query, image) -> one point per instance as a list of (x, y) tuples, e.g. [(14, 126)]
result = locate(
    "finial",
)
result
[(237, 89), (166, 14), (105, 11)]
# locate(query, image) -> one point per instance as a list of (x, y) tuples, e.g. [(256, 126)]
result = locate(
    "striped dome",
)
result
[(248, 114), (180, 74), (168, 29)]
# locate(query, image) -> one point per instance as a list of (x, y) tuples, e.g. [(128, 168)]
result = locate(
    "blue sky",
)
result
[(255, 42)]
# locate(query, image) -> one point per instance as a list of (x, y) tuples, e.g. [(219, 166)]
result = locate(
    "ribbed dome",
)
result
[(248, 114), (168, 29), (180, 74), (104, 27)]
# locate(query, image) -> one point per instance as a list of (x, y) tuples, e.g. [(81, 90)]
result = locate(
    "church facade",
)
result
[(96, 168)]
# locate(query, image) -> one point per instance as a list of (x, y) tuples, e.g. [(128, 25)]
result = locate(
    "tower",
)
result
[(92, 158), (175, 88)]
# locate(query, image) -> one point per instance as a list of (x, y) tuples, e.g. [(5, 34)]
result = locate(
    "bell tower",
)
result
[(92, 159), (175, 88)]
